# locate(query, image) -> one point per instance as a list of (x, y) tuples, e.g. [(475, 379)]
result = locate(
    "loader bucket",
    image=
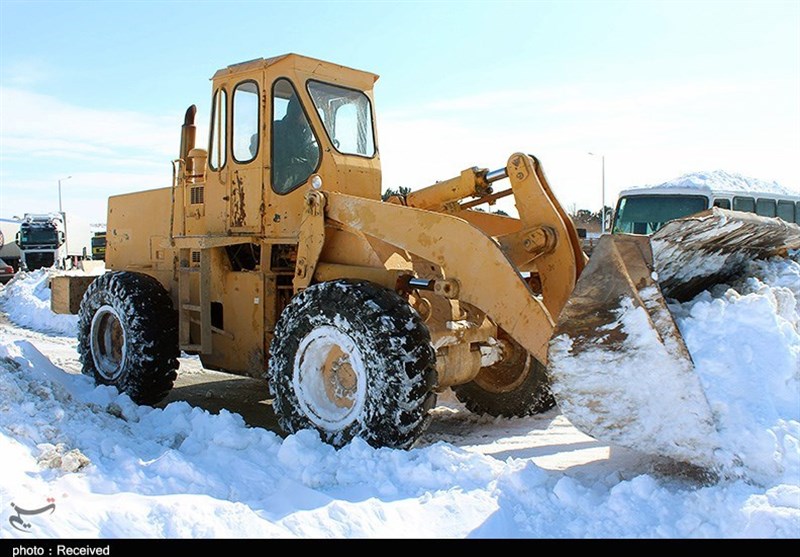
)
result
[(619, 367)]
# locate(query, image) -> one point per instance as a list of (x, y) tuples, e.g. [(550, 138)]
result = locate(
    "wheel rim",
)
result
[(108, 343), (329, 378), (507, 374)]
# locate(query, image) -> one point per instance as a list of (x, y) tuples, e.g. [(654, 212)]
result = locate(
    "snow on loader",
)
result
[(272, 254)]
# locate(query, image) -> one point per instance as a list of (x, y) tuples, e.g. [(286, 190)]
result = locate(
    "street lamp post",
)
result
[(61, 210), (602, 193)]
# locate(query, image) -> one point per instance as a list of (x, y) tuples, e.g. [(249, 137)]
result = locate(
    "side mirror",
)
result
[(60, 237)]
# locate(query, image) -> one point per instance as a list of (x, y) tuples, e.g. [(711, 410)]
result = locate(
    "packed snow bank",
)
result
[(114, 469), (26, 301)]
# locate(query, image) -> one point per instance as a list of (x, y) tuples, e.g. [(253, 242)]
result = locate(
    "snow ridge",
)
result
[(722, 180)]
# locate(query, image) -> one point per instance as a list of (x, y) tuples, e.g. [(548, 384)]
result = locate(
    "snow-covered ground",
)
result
[(100, 466)]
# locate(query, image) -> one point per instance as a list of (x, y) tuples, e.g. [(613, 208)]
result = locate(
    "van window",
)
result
[(797, 212), (722, 203), (744, 204), (786, 210), (765, 207)]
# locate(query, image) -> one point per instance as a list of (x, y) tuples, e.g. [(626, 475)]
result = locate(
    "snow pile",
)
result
[(683, 251), (114, 469), (695, 253), (535, 504), (26, 301), (745, 342), (738, 409), (228, 480), (721, 180)]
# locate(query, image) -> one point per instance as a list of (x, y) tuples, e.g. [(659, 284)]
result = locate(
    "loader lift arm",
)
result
[(544, 238)]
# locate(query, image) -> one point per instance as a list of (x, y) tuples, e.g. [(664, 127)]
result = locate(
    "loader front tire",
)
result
[(352, 359), (516, 386), (128, 335)]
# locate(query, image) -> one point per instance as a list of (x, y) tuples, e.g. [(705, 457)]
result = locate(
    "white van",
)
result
[(644, 210)]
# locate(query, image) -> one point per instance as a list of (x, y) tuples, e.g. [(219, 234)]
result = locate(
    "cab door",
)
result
[(245, 199)]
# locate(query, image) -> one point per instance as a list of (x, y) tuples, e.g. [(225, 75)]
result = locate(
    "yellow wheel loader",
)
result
[(272, 254)]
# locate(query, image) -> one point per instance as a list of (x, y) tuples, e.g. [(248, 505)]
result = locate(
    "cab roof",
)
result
[(311, 67)]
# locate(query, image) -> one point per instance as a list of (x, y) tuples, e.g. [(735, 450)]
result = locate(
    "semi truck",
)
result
[(41, 241)]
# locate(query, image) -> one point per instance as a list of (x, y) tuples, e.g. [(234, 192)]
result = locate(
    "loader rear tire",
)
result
[(128, 335), (352, 359), (516, 386)]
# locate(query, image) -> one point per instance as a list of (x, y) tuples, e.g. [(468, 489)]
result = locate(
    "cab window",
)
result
[(645, 214), (245, 122), (347, 116), (219, 132), (295, 149)]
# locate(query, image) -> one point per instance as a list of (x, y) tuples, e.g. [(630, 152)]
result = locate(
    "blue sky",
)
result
[(97, 90)]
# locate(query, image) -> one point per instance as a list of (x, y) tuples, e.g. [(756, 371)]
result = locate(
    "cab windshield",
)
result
[(347, 115), (644, 214)]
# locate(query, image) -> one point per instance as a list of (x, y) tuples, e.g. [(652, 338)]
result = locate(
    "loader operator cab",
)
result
[(279, 125), (346, 115)]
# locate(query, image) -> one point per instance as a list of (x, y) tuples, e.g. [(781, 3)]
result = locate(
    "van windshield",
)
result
[(644, 214)]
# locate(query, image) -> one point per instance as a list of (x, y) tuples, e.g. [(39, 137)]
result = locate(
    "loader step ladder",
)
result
[(189, 312)]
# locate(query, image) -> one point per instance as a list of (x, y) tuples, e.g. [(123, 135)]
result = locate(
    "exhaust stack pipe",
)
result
[(188, 131)]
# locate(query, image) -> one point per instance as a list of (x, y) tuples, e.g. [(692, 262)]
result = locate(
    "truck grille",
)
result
[(39, 260)]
